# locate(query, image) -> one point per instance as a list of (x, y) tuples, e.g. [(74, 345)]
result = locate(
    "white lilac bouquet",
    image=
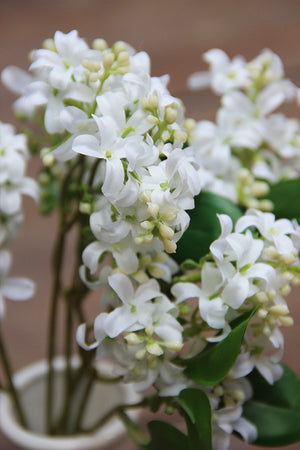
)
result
[(187, 230)]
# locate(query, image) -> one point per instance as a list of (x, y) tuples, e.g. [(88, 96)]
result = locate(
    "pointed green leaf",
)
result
[(204, 225), (197, 406), (285, 197), (211, 365), (275, 409), (165, 436)]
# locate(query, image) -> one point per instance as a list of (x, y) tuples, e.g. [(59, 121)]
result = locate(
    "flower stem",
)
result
[(116, 410), (12, 389), (57, 265)]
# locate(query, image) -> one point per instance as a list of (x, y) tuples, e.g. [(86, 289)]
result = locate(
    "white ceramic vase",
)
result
[(31, 383)]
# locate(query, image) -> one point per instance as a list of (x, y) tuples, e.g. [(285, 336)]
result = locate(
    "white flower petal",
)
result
[(18, 288), (80, 338), (87, 145), (122, 285)]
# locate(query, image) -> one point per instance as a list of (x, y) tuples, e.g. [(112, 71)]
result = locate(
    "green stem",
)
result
[(84, 402), (116, 410), (134, 431), (57, 265), (12, 389)]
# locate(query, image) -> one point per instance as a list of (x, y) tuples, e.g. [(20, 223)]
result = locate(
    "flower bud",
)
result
[(149, 330), (289, 258), (285, 289), (262, 297), (93, 77), (155, 349), (140, 354), (99, 44), (259, 189), (132, 339), (85, 208), (146, 196), (160, 257), (271, 294), (49, 44), (48, 160), (166, 232), (244, 176), (175, 345), (166, 135), (189, 124), (157, 272), (148, 238), (170, 215), (296, 280), (272, 252), (153, 209), (123, 58), (266, 205), (153, 101), (262, 313), (267, 330), (119, 47), (287, 321), (219, 390), (238, 395), (145, 260), (152, 119), (181, 136), (288, 276), (171, 115), (122, 70), (252, 203), (169, 246), (141, 276), (108, 59), (139, 240)]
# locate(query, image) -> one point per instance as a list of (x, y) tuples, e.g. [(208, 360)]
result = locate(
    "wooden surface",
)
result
[(175, 34)]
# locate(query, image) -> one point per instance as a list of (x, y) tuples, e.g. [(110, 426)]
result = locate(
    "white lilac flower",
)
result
[(263, 353), (166, 376), (276, 232), (76, 122), (224, 74), (247, 134), (212, 310), (227, 400), (62, 61), (138, 312), (158, 264), (13, 181), (228, 420), (124, 255), (239, 258), (12, 288)]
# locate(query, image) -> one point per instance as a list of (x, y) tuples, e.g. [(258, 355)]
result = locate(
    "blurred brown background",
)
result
[(175, 34)]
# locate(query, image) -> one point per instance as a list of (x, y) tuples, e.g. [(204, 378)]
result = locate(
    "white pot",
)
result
[(31, 383)]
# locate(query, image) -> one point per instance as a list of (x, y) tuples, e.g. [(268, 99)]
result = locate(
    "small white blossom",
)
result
[(11, 287)]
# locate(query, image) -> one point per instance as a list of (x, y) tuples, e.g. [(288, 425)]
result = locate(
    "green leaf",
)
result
[(165, 436), (285, 197), (275, 409), (211, 365), (204, 225), (197, 406)]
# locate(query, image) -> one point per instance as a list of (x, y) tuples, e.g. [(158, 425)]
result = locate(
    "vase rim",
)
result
[(36, 441)]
